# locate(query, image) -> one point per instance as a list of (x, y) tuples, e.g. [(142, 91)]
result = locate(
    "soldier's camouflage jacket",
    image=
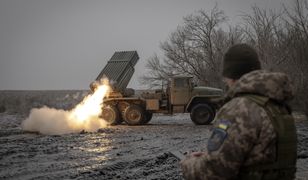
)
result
[(243, 133)]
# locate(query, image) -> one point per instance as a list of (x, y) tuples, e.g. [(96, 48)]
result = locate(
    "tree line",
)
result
[(196, 48)]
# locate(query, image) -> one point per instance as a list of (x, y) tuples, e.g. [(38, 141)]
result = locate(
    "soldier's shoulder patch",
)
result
[(218, 136)]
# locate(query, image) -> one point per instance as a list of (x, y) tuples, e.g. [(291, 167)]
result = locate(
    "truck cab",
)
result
[(184, 96), (180, 90)]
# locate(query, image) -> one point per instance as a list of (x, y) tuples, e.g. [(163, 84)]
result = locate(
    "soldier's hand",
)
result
[(193, 166), (197, 154)]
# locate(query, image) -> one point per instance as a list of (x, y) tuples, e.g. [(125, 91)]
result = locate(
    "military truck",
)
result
[(180, 96)]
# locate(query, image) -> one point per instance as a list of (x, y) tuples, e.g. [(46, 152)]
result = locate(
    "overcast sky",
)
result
[(64, 44)]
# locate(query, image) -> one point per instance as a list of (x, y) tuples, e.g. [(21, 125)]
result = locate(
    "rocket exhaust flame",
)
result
[(85, 115), (91, 106)]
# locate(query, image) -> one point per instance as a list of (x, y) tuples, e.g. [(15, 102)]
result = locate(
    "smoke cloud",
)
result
[(57, 121), (85, 116)]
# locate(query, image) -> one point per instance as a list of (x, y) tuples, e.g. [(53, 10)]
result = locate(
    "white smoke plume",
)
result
[(85, 116), (57, 121)]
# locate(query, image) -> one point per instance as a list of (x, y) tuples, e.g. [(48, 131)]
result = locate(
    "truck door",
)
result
[(180, 90)]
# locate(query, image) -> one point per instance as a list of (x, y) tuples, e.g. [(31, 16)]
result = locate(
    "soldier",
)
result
[(254, 136)]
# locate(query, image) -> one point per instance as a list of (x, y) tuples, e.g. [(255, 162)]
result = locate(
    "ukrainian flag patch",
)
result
[(223, 124)]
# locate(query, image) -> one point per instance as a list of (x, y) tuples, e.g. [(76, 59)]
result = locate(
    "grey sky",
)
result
[(64, 44)]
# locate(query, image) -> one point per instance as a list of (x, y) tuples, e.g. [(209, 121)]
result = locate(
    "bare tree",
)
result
[(157, 73), (196, 48), (264, 30), (297, 26), (282, 42)]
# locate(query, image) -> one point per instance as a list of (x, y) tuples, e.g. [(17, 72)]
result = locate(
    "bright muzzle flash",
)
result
[(84, 116), (91, 106)]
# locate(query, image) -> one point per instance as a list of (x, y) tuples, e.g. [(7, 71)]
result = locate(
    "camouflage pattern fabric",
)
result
[(243, 134)]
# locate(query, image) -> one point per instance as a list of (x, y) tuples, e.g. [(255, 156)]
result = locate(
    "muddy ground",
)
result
[(118, 152)]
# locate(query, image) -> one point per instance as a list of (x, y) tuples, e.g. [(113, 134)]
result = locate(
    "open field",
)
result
[(118, 152)]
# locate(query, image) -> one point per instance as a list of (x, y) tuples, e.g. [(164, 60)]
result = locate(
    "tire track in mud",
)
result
[(118, 152), (139, 169), (126, 152)]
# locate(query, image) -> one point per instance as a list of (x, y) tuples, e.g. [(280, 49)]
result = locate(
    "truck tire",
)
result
[(202, 114), (134, 115), (111, 115), (147, 118), (122, 105)]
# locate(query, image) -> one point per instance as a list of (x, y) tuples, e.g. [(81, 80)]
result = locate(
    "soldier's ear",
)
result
[(229, 82)]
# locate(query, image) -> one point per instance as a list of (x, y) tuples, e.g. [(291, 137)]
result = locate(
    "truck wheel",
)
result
[(111, 115), (122, 105), (147, 118), (134, 115), (202, 114)]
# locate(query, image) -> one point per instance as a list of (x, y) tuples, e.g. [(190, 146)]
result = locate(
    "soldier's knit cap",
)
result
[(239, 60)]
